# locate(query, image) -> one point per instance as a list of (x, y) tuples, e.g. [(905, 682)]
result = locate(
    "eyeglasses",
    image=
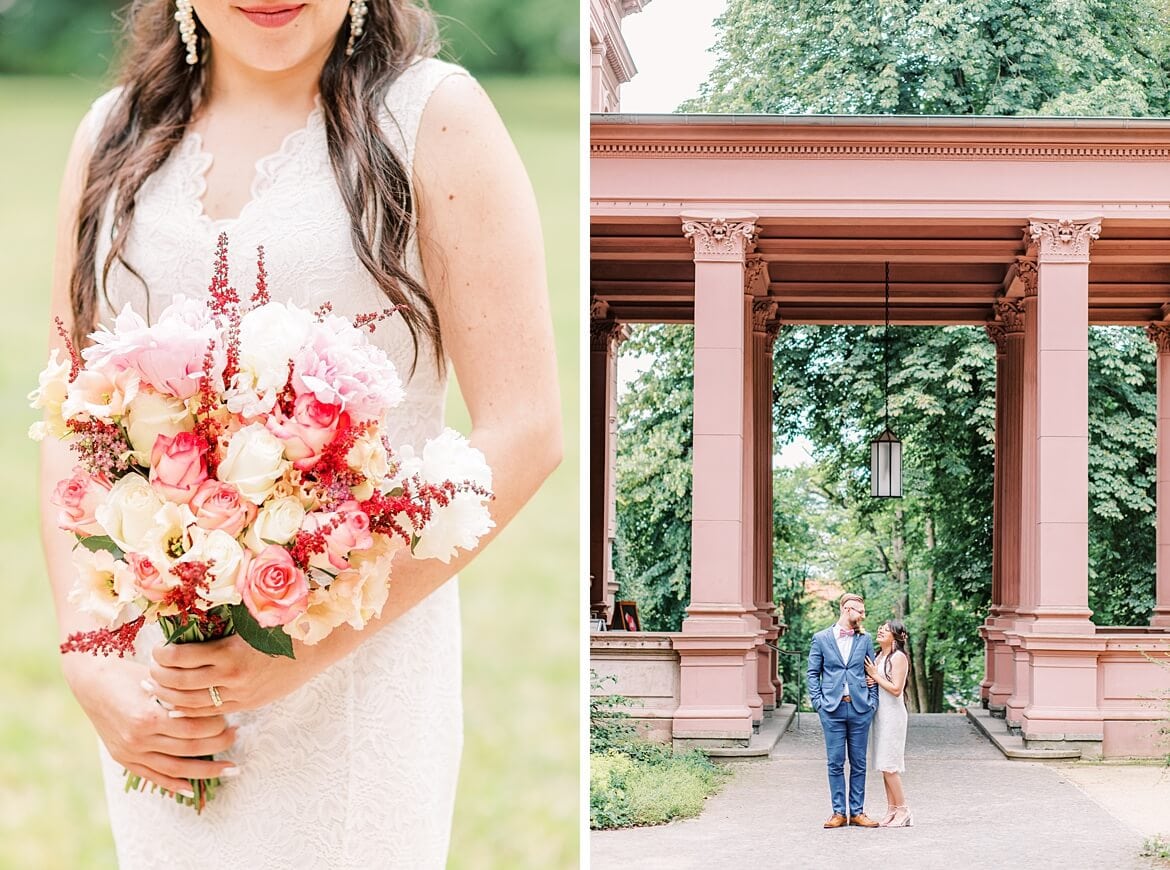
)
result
[(858, 610)]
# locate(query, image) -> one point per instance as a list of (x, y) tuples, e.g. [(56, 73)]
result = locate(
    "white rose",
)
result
[(128, 513), (152, 414), (225, 556), (368, 457), (276, 523), (270, 336), (53, 389), (104, 586), (254, 461)]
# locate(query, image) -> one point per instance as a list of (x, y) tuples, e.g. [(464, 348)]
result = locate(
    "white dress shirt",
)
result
[(844, 644)]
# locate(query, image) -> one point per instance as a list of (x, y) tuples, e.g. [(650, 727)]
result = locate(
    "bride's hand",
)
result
[(137, 731), (870, 671), (245, 679)]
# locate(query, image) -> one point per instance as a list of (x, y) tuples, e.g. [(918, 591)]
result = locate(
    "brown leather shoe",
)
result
[(861, 820), (837, 821)]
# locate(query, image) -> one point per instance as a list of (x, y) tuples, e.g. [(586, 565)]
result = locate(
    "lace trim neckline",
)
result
[(197, 161)]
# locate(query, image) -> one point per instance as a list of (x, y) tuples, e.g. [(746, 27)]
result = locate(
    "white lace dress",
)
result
[(357, 768), (888, 750)]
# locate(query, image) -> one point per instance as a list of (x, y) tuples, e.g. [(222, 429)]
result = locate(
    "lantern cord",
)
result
[(886, 352)]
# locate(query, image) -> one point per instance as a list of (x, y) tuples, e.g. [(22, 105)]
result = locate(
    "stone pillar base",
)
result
[(1087, 744), (714, 680)]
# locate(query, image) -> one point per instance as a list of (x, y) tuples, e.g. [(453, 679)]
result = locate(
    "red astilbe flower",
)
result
[(224, 302), (332, 470), (306, 545), (193, 579), (75, 364), (371, 320), (105, 641), (261, 297)]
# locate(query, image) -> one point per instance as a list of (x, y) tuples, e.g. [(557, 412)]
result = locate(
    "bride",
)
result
[(374, 175), (888, 734)]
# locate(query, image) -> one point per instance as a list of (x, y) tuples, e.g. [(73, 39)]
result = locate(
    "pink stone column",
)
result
[(751, 527), (1021, 660), (717, 647), (604, 337), (1159, 333), (1008, 331), (988, 631), (763, 324), (1063, 706)]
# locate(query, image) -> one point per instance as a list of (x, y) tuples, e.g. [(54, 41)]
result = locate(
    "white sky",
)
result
[(669, 41)]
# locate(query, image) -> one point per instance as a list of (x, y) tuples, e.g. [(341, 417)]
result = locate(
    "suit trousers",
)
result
[(846, 732)]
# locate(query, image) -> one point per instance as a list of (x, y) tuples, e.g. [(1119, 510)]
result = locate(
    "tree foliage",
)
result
[(927, 57)]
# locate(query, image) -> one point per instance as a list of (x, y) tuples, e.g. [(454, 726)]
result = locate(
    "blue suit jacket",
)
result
[(830, 678)]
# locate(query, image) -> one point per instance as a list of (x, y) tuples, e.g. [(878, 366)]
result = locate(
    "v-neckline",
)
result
[(264, 173)]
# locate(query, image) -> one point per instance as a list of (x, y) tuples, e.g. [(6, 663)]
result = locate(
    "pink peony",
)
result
[(168, 355), (339, 367), (78, 497), (178, 466), (218, 505), (352, 534), (274, 589), (152, 582), (310, 429)]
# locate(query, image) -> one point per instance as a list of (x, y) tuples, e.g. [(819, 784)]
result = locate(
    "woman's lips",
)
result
[(276, 16)]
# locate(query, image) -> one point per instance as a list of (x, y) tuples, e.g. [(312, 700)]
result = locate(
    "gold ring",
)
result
[(215, 698)]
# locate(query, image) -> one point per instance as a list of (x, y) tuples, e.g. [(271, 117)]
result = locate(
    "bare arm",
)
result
[(484, 260), (899, 671)]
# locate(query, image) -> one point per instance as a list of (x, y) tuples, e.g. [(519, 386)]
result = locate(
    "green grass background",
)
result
[(519, 793)]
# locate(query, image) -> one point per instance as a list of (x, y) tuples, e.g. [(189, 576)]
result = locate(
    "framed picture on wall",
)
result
[(625, 617)]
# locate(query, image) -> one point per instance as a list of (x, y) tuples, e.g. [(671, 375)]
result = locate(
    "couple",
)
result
[(848, 685)]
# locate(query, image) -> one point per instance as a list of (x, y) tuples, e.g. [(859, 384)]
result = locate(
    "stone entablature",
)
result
[(611, 64)]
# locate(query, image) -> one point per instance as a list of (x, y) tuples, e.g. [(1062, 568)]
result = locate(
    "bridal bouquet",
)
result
[(234, 474)]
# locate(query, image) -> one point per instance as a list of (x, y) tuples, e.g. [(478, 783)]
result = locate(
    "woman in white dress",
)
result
[(373, 174), (888, 733)]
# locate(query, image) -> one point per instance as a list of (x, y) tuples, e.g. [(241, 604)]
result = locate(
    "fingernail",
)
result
[(177, 714), (187, 793), (230, 772), (165, 705), (148, 686)]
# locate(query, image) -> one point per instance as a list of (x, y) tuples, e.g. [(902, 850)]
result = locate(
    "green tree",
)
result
[(983, 57)]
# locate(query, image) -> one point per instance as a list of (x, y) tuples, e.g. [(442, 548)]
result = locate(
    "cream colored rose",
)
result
[(152, 414), (254, 461), (225, 555), (104, 586), (368, 457), (277, 523), (128, 513), (53, 389)]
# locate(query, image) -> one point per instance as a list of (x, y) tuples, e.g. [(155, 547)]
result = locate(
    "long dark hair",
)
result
[(901, 638), (160, 94)]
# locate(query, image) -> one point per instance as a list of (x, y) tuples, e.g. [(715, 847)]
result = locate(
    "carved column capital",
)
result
[(1159, 334), (998, 334), (720, 239), (763, 313), (755, 277), (1011, 314), (604, 334), (1027, 272), (1064, 240)]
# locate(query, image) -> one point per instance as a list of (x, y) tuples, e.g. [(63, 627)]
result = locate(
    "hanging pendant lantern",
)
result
[(885, 453)]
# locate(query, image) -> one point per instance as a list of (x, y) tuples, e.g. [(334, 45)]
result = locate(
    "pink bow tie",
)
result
[(844, 632)]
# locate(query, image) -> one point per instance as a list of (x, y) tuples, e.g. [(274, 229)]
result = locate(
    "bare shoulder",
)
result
[(461, 135)]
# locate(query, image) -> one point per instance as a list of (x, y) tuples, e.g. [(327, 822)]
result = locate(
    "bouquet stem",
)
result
[(218, 624)]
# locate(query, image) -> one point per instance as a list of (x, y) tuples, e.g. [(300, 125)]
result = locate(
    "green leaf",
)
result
[(94, 543), (270, 641)]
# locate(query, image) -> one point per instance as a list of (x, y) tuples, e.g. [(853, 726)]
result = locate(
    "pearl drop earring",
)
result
[(357, 22), (185, 15)]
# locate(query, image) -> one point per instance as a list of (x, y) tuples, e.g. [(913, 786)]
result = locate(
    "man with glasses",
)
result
[(845, 702)]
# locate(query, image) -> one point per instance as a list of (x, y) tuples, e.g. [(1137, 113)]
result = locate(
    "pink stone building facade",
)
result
[(1033, 228)]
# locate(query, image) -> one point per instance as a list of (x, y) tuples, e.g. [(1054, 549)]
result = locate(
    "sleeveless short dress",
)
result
[(888, 752), (357, 768)]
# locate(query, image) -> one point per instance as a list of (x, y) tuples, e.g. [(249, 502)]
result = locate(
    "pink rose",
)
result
[(78, 497), (274, 589), (304, 435), (178, 466), (353, 533), (148, 579), (218, 505)]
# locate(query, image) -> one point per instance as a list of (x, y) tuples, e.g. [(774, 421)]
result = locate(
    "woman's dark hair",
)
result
[(161, 93), (898, 631)]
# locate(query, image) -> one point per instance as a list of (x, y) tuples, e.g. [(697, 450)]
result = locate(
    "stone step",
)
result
[(1012, 745), (762, 742)]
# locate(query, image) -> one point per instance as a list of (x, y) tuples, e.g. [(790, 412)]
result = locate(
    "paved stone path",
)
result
[(972, 809)]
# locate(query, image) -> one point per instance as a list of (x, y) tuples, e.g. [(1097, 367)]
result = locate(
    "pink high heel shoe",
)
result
[(900, 821)]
